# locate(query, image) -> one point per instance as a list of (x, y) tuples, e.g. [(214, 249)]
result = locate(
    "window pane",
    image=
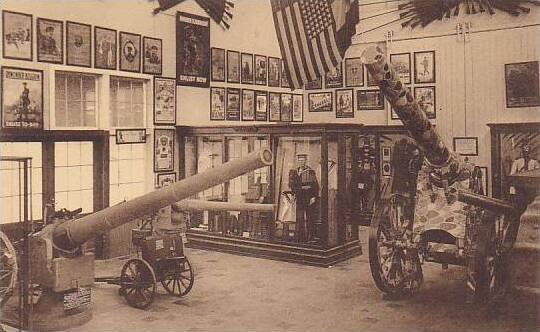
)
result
[(127, 103), (137, 93), (73, 87), (89, 116), (74, 113), (60, 85), (60, 113), (137, 117), (74, 153), (89, 88)]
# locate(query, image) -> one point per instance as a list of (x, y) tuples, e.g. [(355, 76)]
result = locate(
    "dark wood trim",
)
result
[(48, 173), (9, 135), (324, 190), (342, 188)]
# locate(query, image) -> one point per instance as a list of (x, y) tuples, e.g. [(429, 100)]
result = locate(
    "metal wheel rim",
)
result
[(138, 283), (180, 281)]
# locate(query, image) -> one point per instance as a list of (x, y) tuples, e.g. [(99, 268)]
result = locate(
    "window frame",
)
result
[(145, 90)]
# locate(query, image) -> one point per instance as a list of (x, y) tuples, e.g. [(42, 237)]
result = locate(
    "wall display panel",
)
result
[(50, 40), (344, 103), (369, 100), (164, 101), (152, 56), (105, 48), (246, 63), (192, 50), (425, 96), (274, 106), (522, 84), (424, 67), (218, 64), (217, 103), (298, 108), (334, 79), (17, 35), (129, 49), (320, 102), (261, 70), (233, 67), (286, 107), (163, 150), (248, 105), (261, 106), (274, 71), (233, 104), (78, 44), (22, 98), (402, 65), (354, 72)]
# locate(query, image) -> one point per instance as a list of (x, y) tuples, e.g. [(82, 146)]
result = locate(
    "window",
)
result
[(127, 102), (210, 156), (126, 171), (75, 97)]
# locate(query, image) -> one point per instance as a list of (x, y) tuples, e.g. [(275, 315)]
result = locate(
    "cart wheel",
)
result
[(8, 268), (395, 265), (179, 279), (138, 283)]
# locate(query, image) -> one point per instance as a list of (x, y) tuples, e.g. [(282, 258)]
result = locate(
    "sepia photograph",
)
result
[(233, 104), (233, 67), (424, 67), (425, 96), (78, 44), (50, 40), (344, 103), (152, 56), (164, 101), (320, 102), (522, 84), (129, 49), (22, 98), (17, 35), (334, 78), (218, 64), (246, 69), (314, 85), (163, 150), (354, 72), (286, 107), (369, 100), (298, 108), (105, 47), (402, 65), (192, 50), (261, 70), (274, 71), (261, 106), (217, 103), (274, 106), (248, 105)]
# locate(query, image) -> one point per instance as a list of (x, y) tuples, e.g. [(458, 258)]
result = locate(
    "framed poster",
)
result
[(369, 100), (233, 104), (354, 72), (386, 169), (17, 35), (274, 106), (105, 42), (233, 67), (152, 55), (163, 150), (402, 65), (344, 103), (274, 71), (218, 64), (50, 40), (261, 106), (248, 105), (522, 84), (22, 98), (425, 96), (334, 79), (78, 44), (164, 101), (246, 72), (320, 102), (217, 103), (129, 49), (192, 50), (424, 67), (298, 108), (314, 85), (286, 107), (130, 136), (284, 76), (386, 153), (466, 146), (165, 179), (369, 80), (261, 70)]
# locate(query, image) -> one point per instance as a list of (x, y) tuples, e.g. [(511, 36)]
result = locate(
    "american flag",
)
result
[(313, 36)]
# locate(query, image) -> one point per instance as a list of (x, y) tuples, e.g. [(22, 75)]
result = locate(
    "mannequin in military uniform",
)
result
[(304, 185)]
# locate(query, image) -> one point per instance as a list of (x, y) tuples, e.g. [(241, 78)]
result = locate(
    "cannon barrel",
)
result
[(71, 234), (199, 205), (487, 203)]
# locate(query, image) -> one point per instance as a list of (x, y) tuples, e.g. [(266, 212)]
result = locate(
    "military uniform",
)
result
[(303, 183)]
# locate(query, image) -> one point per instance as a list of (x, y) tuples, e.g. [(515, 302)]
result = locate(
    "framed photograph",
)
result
[(165, 179), (78, 44), (129, 49), (164, 101), (466, 146), (105, 48), (334, 79), (369, 80), (320, 102), (248, 105), (192, 50), (17, 35), (522, 84), (344, 103), (246, 63), (22, 98), (286, 107), (130, 136), (217, 103), (218, 64), (425, 96), (298, 108), (163, 150), (314, 85), (386, 169), (233, 104), (261, 70), (274, 106), (402, 65), (261, 106), (354, 72), (386, 153), (284, 76), (274, 71), (152, 55), (424, 67), (233, 67), (50, 40), (369, 100)]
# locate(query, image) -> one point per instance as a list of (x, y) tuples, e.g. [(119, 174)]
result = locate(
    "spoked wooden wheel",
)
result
[(178, 279), (8, 268), (393, 259), (138, 283)]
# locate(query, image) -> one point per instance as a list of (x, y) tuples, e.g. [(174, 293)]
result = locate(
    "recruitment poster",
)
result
[(22, 98), (192, 50)]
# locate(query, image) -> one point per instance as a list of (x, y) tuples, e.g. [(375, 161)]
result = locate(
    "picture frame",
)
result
[(129, 51), (320, 102), (50, 40), (17, 35), (22, 98), (354, 72), (164, 101), (152, 55), (386, 153), (367, 100), (217, 56), (314, 85), (370, 82), (246, 72), (217, 104), (284, 77), (78, 44), (286, 107), (233, 104), (466, 146), (402, 65), (261, 106), (163, 150), (130, 136), (192, 50), (248, 105), (233, 66), (522, 84), (298, 108), (165, 179), (334, 79), (424, 67), (274, 106), (386, 169), (261, 70), (274, 72), (105, 48), (425, 96), (344, 103)]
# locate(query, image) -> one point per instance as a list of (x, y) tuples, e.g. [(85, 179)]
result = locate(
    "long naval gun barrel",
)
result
[(71, 234)]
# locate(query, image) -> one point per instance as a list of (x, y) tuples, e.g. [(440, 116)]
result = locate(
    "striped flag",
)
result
[(313, 36)]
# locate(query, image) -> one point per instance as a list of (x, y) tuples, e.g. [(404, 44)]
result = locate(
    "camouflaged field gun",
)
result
[(430, 214)]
